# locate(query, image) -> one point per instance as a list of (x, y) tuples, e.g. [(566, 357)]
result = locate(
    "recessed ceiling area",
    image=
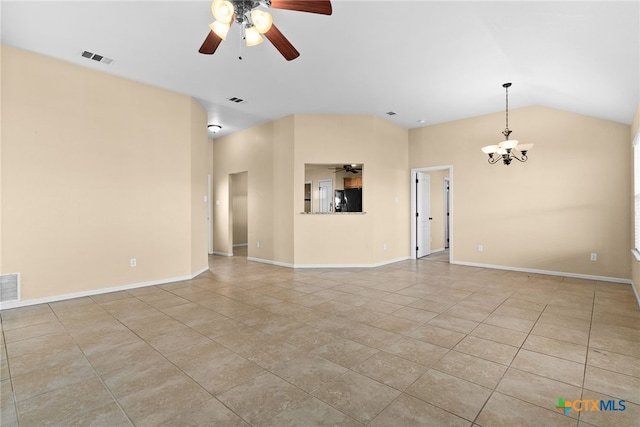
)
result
[(428, 62)]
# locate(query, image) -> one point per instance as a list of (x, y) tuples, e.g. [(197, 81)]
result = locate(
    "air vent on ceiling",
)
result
[(237, 100), (391, 113), (96, 57), (9, 287)]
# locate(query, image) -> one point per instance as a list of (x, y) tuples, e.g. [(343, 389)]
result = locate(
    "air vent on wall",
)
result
[(96, 57), (9, 287), (237, 100), (391, 113)]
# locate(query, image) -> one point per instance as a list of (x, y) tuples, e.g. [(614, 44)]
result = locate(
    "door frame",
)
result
[(414, 208), (447, 212), (209, 213)]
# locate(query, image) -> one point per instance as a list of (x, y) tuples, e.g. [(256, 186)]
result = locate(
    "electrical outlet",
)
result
[(384, 246), (480, 248), (133, 262), (257, 244), (594, 256)]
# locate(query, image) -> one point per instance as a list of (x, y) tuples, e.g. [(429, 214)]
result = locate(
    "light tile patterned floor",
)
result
[(415, 343)]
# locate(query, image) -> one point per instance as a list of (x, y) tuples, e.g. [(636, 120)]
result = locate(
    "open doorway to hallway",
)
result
[(431, 210), (238, 213)]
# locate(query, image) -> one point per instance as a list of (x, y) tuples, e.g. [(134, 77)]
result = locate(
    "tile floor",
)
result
[(415, 343)]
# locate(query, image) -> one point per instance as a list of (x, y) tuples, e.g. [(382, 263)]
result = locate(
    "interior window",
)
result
[(333, 188)]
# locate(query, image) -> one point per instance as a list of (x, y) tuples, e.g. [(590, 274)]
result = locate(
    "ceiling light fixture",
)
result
[(214, 128), (255, 23), (506, 150)]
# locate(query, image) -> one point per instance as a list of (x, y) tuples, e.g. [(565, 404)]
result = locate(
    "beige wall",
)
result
[(97, 170), (274, 154), (354, 239), (250, 151), (569, 200), (635, 265), (239, 208), (200, 167)]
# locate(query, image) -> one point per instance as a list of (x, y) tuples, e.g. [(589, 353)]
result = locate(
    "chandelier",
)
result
[(506, 150)]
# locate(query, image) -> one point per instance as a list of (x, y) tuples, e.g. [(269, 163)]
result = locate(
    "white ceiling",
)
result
[(428, 61)]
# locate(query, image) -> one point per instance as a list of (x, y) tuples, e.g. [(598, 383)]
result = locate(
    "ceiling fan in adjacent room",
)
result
[(348, 168), (255, 22)]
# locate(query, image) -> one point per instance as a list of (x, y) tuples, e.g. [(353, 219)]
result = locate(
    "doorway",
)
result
[(431, 212), (239, 215)]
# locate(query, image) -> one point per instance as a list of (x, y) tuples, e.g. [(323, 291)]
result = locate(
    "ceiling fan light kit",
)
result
[(506, 150), (255, 22)]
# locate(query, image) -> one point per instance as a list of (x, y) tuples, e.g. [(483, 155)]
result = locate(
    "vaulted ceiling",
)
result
[(427, 61)]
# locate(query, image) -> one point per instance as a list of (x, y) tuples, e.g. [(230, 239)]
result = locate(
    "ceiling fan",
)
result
[(347, 168), (255, 21)]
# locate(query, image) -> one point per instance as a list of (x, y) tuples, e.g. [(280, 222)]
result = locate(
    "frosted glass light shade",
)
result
[(252, 36), (220, 29), (261, 20), (222, 10), (490, 149), (508, 144)]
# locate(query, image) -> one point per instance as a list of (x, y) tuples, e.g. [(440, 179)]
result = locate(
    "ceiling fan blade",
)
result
[(210, 44), (281, 43), (322, 7)]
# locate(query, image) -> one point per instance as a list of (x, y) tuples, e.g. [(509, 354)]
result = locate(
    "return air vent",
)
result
[(391, 113), (237, 100), (96, 57), (9, 287)]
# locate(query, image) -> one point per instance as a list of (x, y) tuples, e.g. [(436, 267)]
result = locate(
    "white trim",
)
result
[(636, 254), (235, 245), (46, 300), (221, 253), (545, 272), (379, 264), (209, 214), (635, 293), (288, 265), (268, 261)]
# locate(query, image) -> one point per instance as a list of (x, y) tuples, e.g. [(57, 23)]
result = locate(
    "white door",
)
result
[(325, 195), (423, 215)]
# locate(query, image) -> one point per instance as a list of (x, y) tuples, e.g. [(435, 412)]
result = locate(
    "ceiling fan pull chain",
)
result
[(241, 28)]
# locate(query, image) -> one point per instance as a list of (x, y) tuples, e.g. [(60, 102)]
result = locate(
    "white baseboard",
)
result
[(46, 300), (235, 245), (635, 292), (283, 264), (221, 253), (378, 264), (545, 272), (268, 261)]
